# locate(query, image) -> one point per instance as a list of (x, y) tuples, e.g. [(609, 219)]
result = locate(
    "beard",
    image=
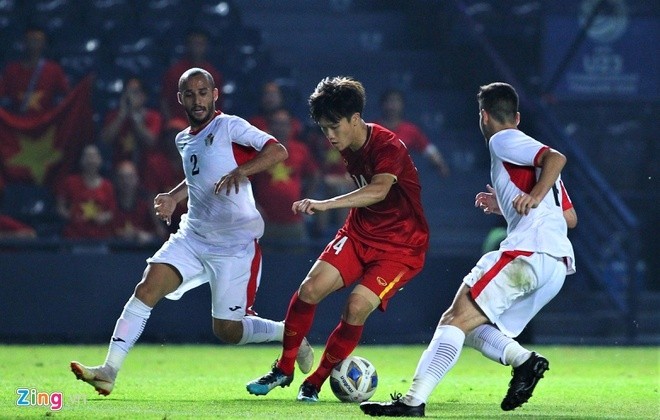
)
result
[(196, 122)]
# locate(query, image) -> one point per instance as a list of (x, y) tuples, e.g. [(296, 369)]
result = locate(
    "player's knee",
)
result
[(229, 332), (357, 310), (448, 317), (157, 281), (309, 293), (148, 293)]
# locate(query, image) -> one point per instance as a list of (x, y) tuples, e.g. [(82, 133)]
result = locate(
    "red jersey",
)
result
[(126, 146), (52, 82), (413, 137), (397, 223), (137, 217), (85, 204), (170, 85), (161, 175), (278, 187)]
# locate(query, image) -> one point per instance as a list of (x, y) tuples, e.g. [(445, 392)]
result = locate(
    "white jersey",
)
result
[(513, 156), (208, 154)]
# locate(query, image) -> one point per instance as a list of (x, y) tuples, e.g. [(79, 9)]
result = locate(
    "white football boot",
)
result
[(102, 378), (305, 357)]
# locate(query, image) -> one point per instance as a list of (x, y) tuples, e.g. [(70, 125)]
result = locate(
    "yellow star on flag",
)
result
[(90, 209), (280, 173), (35, 101), (37, 154)]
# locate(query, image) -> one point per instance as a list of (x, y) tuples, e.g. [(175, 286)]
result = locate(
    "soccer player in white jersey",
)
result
[(507, 287), (217, 240)]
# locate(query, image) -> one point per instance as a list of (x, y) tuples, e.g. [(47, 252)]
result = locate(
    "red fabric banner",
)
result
[(44, 149)]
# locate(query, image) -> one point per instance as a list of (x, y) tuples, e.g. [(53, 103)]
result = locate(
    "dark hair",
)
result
[(500, 100), (336, 98), (194, 72), (37, 28), (391, 92), (134, 76)]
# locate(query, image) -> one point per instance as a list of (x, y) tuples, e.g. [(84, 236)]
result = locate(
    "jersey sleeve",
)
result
[(243, 133), (388, 158), (566, 203), (522, 151)]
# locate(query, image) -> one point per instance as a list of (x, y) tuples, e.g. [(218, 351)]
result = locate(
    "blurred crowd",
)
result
[(107, 192)]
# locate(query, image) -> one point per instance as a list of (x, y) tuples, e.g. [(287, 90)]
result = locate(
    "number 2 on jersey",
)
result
[(193, 160)]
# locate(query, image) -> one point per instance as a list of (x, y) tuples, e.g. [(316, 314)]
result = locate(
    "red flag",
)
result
[(45, 148)]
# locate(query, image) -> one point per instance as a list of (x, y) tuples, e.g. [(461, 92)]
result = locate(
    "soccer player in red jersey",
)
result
[(378, 250)]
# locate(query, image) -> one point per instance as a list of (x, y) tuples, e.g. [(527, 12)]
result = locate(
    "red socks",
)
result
[(341, 343), (297, 324)]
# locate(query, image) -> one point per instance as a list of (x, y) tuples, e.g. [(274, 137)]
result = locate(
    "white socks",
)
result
[(260, 330), (134, 317), (440, 356), (128, 329), (496, 346), (515, 354)]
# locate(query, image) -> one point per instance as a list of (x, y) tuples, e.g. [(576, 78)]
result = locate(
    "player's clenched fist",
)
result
[(523, 203), (308, 206), (164, 205)]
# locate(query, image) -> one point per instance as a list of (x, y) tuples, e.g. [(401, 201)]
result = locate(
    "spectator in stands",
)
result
[(163, 169), (132, 128), (134, 219), (86, 201), (33, 84), (278, 187), (392, 104), (197, 47), (272, 99)]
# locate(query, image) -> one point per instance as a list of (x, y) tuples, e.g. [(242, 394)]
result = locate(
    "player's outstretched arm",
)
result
[(362, 197)]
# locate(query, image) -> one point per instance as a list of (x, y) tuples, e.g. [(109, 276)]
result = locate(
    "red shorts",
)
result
[(374, 267)]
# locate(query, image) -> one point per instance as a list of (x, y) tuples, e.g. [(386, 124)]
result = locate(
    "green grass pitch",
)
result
[(205, 381)]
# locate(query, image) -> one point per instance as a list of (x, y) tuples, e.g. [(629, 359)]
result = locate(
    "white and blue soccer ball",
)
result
[(354, 379)]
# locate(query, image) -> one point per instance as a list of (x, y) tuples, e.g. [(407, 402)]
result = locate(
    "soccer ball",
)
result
[(354, 379)]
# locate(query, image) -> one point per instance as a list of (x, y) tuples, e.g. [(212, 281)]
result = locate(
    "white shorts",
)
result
[(233, 273), (511, 287)]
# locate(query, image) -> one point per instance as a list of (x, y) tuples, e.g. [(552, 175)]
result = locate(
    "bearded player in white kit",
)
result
[(507, 287), (217, 240)]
